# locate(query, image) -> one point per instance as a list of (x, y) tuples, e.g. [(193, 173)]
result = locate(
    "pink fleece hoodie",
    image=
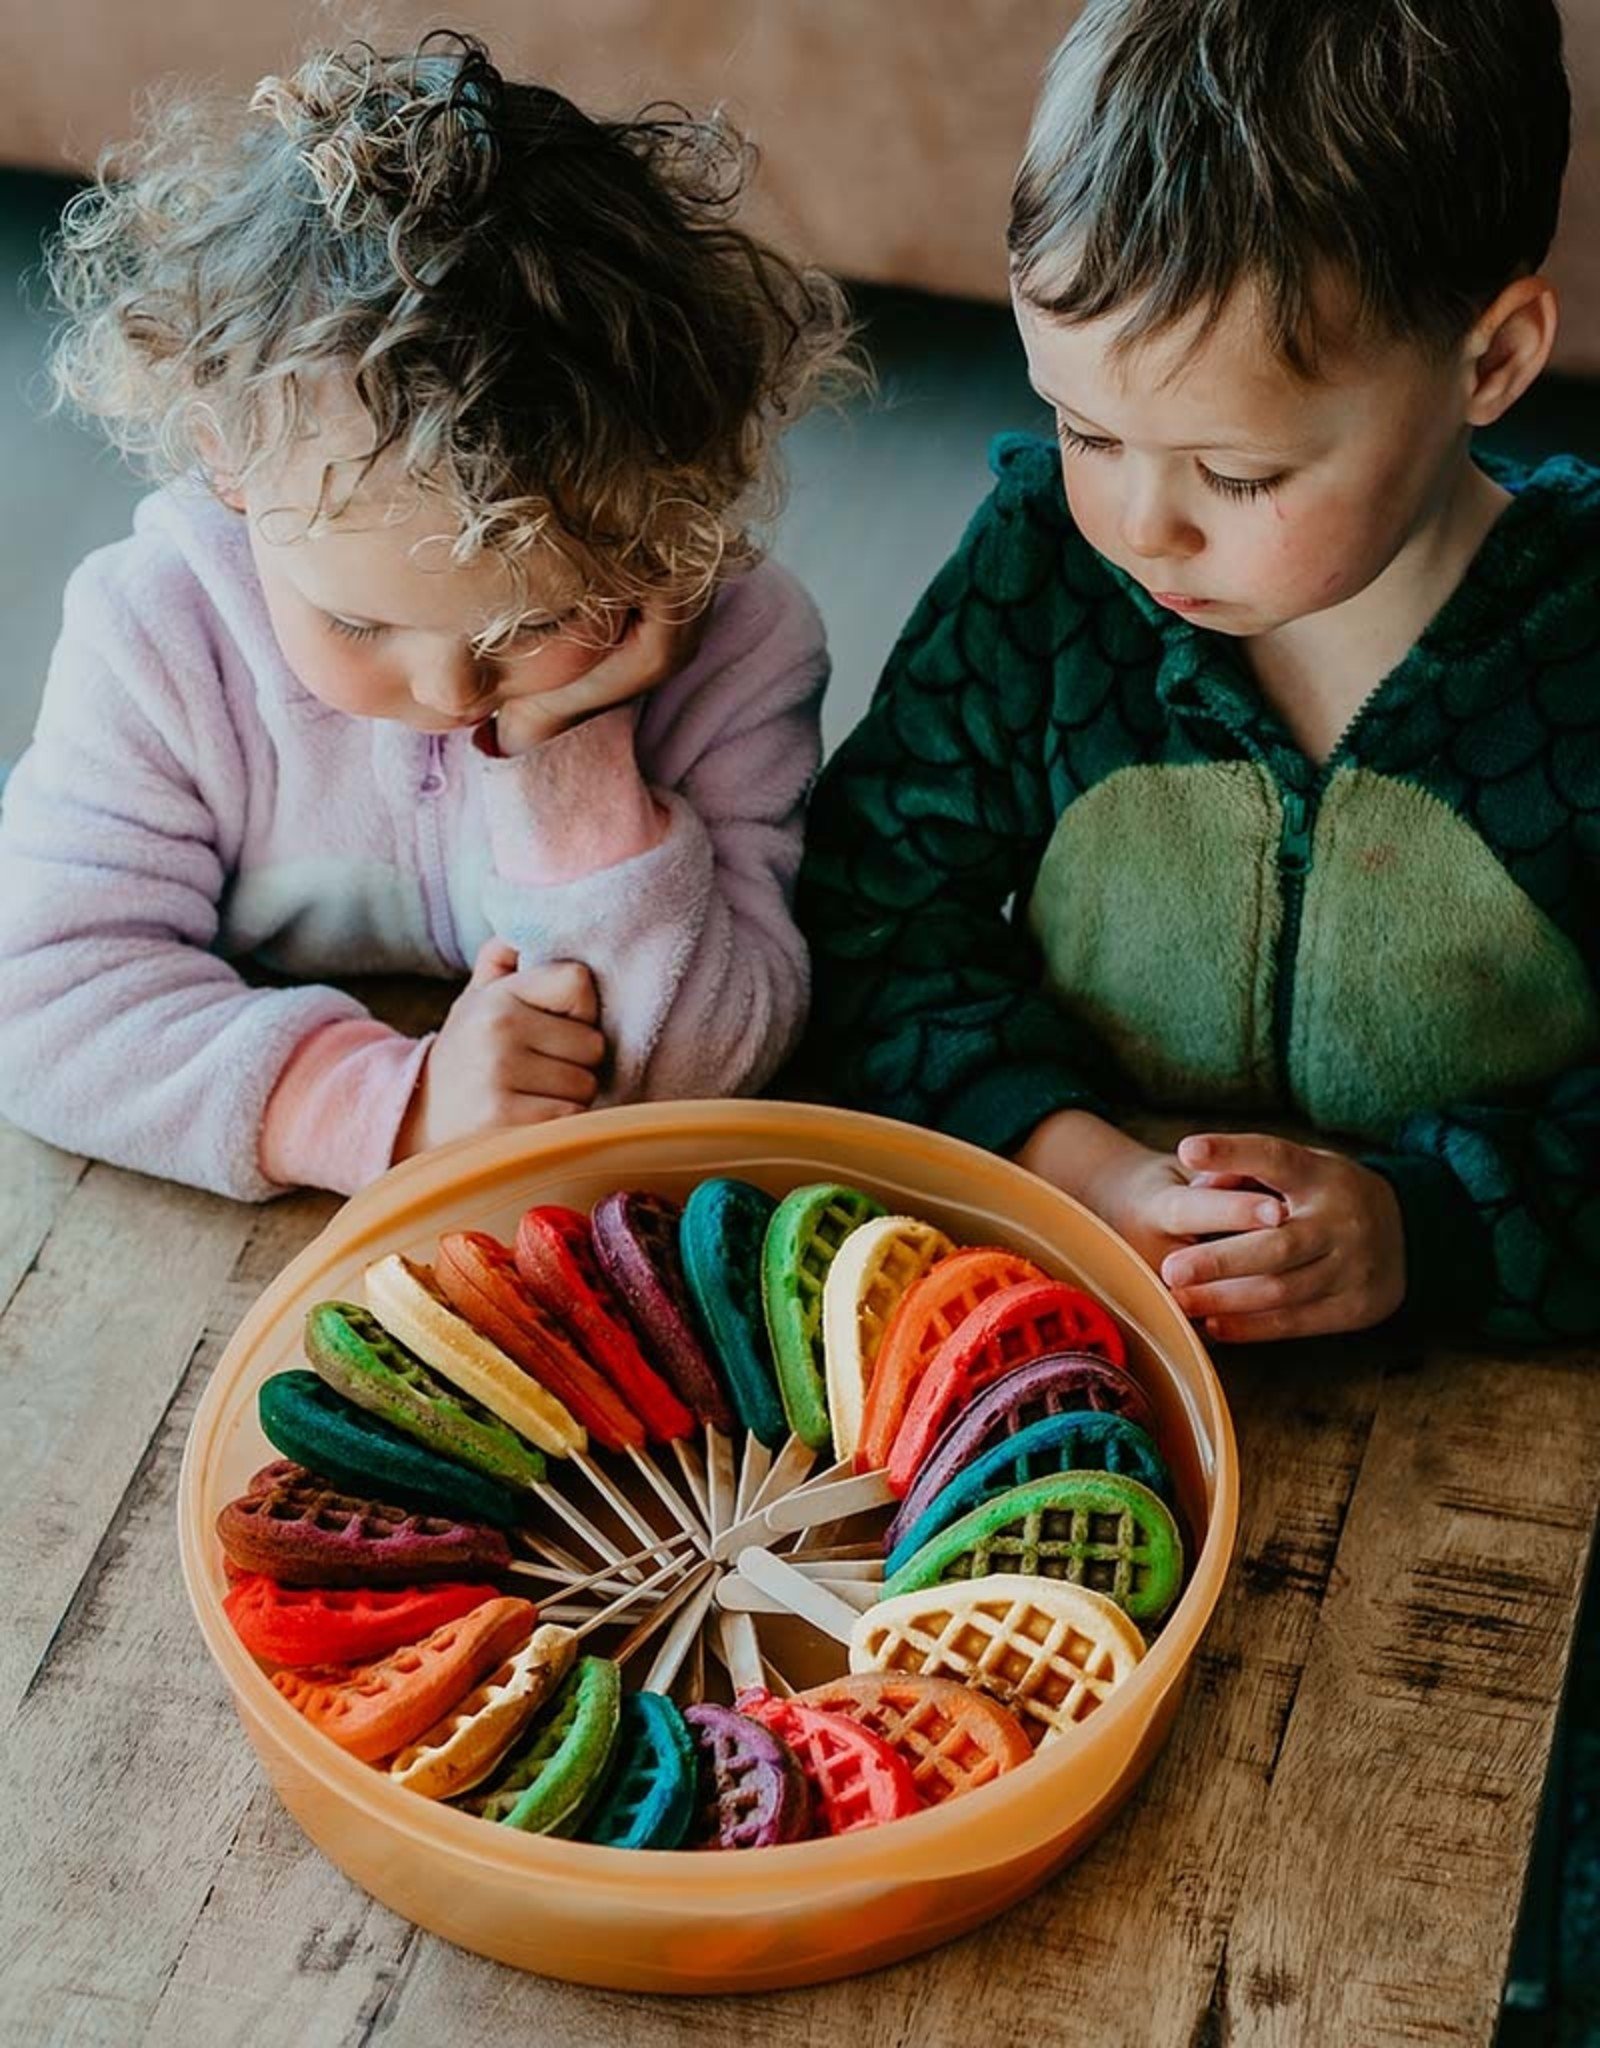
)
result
[(186, 804)]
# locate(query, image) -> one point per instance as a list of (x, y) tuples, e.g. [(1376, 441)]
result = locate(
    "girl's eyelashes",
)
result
[(1224, 486), (350, 632)]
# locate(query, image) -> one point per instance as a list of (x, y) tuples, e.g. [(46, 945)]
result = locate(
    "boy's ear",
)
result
[(1509, 345)]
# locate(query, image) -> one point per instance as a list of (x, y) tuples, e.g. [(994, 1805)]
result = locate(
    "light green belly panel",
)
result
[(1424, 975)]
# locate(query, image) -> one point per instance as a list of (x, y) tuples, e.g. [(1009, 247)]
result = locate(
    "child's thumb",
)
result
[(495, 960)]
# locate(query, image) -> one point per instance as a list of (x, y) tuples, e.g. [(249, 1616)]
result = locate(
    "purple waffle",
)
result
[(752, 1791), (301, 1531), (636, 1241), (1053, 1385)]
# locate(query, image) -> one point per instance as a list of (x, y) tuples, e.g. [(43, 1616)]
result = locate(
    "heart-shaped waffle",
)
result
[(548, 1784), (953, 1738), (555, 1259), (407, 1301), (1080, 1442), (1093, 1529), (298, 1625), (1013, 1327), (372, 1710), (807, 1228), (297, 1529), (857, 1779), (635, 1238), (1049, 1386), (724, 1224), (751, 1792), (478, 1277), (1050, 1651), (872, 1269), (304, 1418), (471, 1741), (373, 1367), (648, 1798), (928, 1312)]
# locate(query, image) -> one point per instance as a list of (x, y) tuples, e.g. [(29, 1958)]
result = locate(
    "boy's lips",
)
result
[(1177, 601)]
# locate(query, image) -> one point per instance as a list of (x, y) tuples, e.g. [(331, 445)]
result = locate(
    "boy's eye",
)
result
[(1082, 444), (1240, 486)]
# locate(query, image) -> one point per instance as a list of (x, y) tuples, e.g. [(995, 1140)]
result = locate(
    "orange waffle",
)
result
[(1052, 1652), (953, 1737), (1011, 1328), (928, 1312), (372, 1710)]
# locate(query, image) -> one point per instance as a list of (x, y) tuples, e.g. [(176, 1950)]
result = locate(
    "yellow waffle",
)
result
[(874, 1267), (462, 1749), (1051, 1651), (405, 1299)]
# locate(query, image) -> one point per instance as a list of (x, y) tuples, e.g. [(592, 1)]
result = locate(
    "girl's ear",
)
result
[(1508, 347), (213, 453)]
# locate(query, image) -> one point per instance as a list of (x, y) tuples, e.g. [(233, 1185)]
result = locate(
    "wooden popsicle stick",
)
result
[(738, 1595), (694, 1477), (696, 1676), (632, 1596), (824, 1553), (616, 1499), (796, 1594), (670, 1498), (679, 1639), (566, 1581), (642, 1631), (827, 1501), (721, 1486), (739, 1647), (753, 1469), (792, 1464), (579, 1523), (863, 1571)]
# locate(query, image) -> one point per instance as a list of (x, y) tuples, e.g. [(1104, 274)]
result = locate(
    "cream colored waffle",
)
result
[(873, 1268), (462, 1749), (1052, 1652), (404, 1298)]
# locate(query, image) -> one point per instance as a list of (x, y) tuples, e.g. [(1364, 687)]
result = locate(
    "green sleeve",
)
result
[(1502, 1213), (927, 1001)]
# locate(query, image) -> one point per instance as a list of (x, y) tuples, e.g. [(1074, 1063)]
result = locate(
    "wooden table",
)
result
[(1329, 1854)]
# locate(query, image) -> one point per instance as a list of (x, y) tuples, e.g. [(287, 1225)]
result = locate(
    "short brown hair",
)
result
[(551, 317), (1414, 148)]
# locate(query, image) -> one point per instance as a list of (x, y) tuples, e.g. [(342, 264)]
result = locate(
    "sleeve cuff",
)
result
[(999, 1110), (1449, 1258), (573, 806), (332, 1117)]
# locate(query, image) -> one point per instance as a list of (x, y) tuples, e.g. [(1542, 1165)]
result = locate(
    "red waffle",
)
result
[(479, 1279), (857, 1780), (925, 1315), (298, 1625), (1010, 1329), (556, 1263)]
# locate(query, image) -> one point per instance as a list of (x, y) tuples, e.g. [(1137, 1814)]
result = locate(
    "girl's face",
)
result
[(1238, 495), (374, 618)]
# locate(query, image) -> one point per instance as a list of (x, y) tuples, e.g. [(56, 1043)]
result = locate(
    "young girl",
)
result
[(464, 399)]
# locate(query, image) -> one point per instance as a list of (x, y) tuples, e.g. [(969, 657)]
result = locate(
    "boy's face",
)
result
[(376, 620), (1237, 494)]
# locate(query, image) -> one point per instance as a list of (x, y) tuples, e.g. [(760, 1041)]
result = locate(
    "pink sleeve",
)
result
[(332, 1118), (572, 806)]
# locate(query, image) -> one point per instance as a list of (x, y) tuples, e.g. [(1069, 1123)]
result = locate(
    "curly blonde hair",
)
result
[(550, 318)]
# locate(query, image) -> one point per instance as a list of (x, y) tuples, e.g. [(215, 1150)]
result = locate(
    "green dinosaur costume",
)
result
[(1071, 858)]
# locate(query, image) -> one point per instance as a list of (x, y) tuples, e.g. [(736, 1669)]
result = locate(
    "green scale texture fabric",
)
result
[(1071, 858)]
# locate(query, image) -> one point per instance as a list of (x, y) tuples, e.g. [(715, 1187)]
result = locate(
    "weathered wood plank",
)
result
[(125, 1774), (1403, 1807), (35, 1181)]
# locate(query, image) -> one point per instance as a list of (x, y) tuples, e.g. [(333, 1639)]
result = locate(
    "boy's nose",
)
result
[(1154, 529)]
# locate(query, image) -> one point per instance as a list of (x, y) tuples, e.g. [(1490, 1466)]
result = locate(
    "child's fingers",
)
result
[(1278, 1162), (541, 1034), (538, 1074), (494, 960), (1294, 1243), (563, 987), (537, 1109), (1192, 1211), (1255, 1293), (1325, 1317)]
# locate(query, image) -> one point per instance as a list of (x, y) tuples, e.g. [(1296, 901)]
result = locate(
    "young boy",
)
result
[(1259, 767)]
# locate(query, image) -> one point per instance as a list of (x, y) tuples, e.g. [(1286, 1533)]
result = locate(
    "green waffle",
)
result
[(547, 1786), (1095, 1529), (802, 1239), (358, 1358)]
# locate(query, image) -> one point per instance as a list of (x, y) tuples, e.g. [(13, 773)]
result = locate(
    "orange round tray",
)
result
[(686, 1922)]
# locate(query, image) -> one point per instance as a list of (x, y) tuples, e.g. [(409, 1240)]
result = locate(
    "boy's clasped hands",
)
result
[(1257, 1237)]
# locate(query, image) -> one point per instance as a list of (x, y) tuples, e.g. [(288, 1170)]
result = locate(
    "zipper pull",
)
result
[(1294, 848), (433, 775)]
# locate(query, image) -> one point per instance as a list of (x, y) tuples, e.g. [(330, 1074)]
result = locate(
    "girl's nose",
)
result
[(452, 685)]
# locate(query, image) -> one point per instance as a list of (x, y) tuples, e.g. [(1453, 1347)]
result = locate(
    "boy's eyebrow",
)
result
[(1238, 446)]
